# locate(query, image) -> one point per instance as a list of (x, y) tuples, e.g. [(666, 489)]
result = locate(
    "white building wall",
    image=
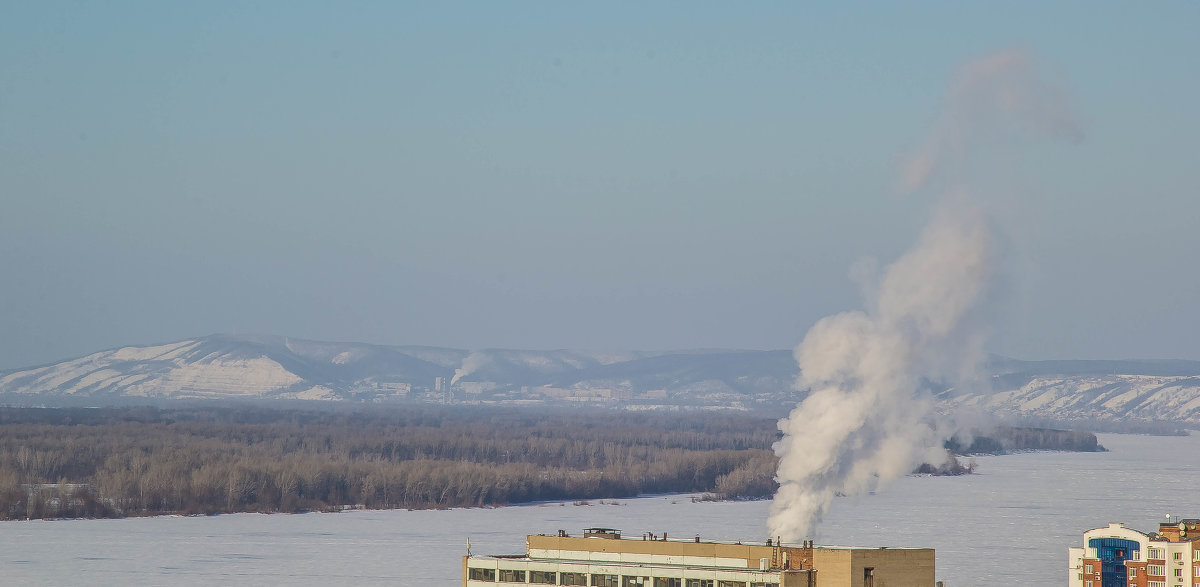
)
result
[(1075, 567), (1181, 557)]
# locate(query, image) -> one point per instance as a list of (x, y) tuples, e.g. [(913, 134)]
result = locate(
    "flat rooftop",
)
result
[(701, 540)]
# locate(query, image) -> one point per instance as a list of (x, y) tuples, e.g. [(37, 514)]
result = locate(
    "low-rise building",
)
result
[(1117, 556), (602, 558)]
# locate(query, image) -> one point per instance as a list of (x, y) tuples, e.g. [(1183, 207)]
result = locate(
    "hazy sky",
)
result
[(559, 175)]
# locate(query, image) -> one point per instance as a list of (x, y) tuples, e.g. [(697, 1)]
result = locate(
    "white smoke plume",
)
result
[(867, 418), (999, 92), (471, 363)]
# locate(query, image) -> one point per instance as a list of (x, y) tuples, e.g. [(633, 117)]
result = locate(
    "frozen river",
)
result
[(1009, 524)]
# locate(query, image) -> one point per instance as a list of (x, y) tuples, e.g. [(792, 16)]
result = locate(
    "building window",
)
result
[(1155, 553), (753, 584), (736, 583), (572, 579), (667, 582), (1179, 556), (699, 583), (1178, 572), (605, 581), (1087, 568), (543, 577), (1156, 584), (481, 574), (627, 581), (1196, 571), (1156, 570), (1132, 571), (511, 576)]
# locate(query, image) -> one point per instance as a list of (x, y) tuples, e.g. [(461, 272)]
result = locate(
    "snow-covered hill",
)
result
[(222, 366), (272, 367), (1136, 398)]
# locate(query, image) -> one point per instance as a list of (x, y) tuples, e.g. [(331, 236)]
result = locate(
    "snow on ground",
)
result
[(316, 392), (156, 371), (153, 353), (219, 378)]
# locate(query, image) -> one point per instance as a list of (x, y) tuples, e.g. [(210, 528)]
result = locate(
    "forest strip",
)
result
[(139, 461)]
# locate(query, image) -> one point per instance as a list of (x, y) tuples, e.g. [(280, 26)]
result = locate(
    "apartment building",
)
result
[(601, 557), (1117, 556)]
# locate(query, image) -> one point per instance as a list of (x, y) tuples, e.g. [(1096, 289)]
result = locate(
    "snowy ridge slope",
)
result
[(180, 369), (221, 366), (275, 367), (1093, 397)]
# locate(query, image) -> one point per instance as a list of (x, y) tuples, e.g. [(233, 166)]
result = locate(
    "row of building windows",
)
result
[(599, 580), (1156, 570), (1160, 584), (1160, 554), (1132, 584), (1157, 554)]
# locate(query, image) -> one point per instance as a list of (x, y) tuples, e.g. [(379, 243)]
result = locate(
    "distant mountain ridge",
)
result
[(281, 368), (275, 367)]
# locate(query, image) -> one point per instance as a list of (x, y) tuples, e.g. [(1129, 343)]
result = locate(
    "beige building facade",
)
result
[(601, 557)]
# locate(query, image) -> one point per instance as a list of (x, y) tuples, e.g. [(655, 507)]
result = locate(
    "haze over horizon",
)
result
[(561, 176)]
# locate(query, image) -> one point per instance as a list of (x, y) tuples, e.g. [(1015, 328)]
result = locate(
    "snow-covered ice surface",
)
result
[(1009, 524)]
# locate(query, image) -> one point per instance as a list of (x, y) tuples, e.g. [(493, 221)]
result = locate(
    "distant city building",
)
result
[(602, 558), (1117, 556)]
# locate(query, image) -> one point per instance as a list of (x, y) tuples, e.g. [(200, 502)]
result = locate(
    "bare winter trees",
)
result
[(143, 461)]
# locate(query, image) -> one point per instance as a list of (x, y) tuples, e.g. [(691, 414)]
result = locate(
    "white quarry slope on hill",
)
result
[(156, 371), (1102, 397)]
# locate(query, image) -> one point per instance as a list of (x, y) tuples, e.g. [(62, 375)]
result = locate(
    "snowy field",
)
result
[(1009, 524)]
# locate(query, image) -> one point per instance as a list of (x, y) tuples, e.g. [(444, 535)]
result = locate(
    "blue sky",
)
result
[(557, 175)]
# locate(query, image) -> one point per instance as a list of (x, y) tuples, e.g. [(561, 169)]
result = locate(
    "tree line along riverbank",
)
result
[(135, 461)]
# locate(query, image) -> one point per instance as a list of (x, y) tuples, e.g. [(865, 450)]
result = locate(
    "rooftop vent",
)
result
[(610, 533)]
